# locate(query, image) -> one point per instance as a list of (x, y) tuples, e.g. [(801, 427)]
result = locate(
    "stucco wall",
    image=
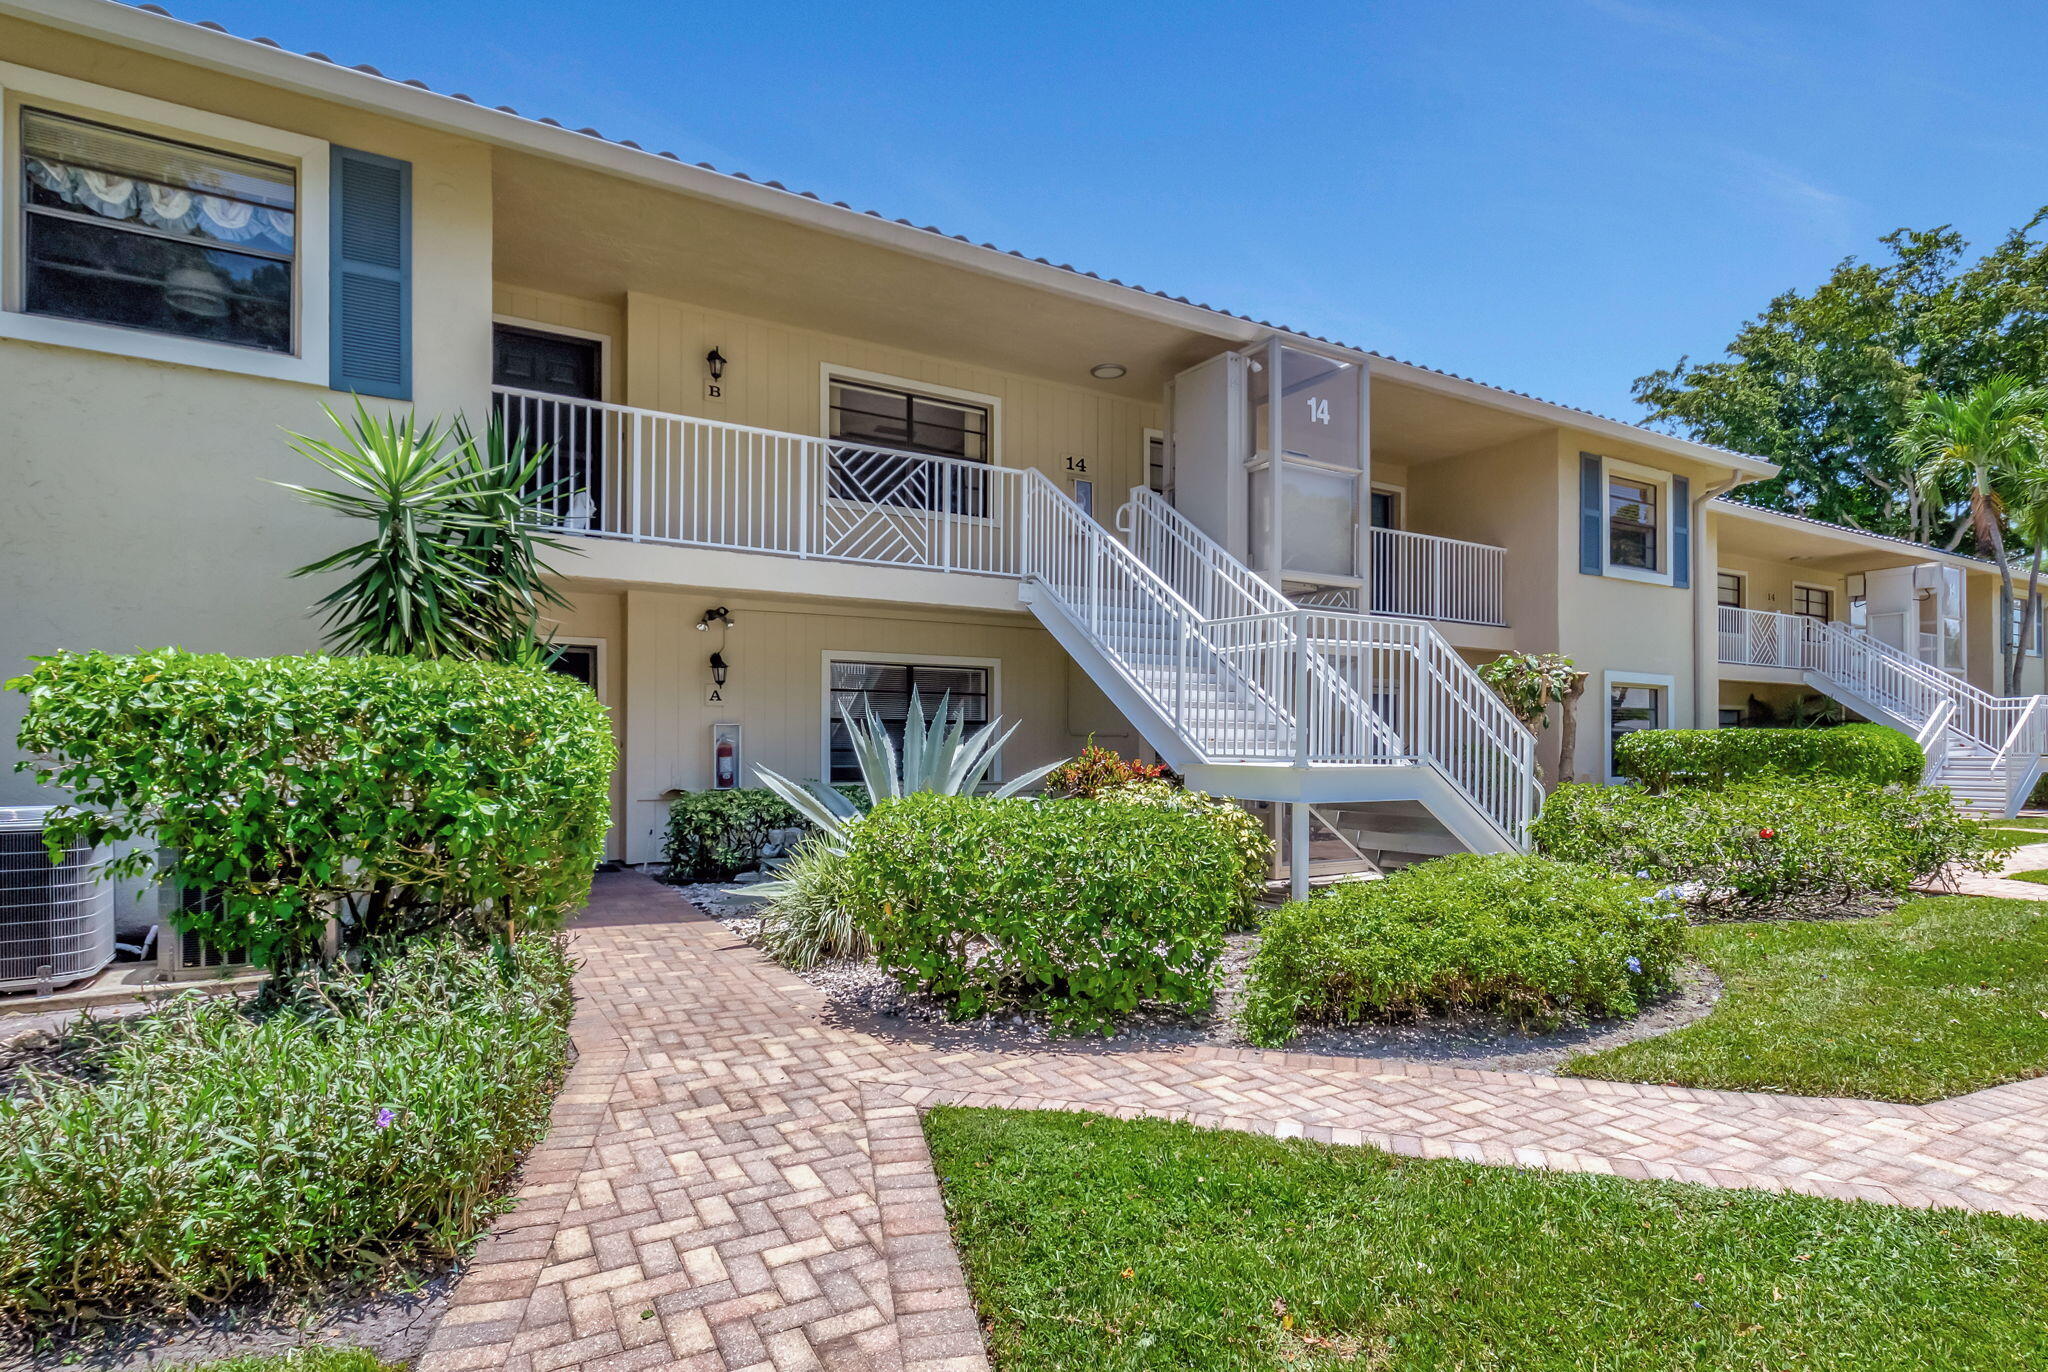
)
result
[(658, 678), (140, 506), (773, 380)]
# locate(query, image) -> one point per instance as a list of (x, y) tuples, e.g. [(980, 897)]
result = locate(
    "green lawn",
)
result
[(1112, 1245), (301, 1360), (2039, 876), (1937, 998)]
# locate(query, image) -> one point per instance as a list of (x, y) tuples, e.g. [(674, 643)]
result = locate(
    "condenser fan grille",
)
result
[(56, 919)]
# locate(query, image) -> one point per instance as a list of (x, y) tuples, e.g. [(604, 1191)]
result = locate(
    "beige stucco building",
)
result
[(890, 457)]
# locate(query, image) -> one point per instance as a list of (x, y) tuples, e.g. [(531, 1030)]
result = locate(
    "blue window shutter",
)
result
[(1592, 523), (1681, 532), (370, 251)]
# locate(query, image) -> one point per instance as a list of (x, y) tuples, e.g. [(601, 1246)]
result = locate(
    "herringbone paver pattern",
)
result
[(736, 1183)]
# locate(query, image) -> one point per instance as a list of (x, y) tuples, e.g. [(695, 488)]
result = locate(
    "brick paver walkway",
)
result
[(735, 1182)]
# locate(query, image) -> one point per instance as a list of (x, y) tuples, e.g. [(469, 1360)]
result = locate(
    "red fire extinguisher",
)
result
[(725, 766)]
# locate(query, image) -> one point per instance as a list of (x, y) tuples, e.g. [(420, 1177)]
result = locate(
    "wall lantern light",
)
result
[(718, 669), (715, 360)]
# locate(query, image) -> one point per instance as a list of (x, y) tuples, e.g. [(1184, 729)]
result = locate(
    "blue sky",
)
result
[(1552, 195)]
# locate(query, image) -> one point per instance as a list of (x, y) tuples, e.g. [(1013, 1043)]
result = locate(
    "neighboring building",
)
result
[(894, 458)]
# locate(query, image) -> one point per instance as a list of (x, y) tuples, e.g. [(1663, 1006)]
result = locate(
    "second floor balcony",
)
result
[(645, 476)]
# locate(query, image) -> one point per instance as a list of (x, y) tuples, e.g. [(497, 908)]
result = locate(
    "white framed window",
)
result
[(1731, 590), (1637, 506), (873, 410), (1813, 600), (1388, 506), (583, 659), (1635, 700), (1158, 464), (2035, 640), (884, 682), (134, 226)]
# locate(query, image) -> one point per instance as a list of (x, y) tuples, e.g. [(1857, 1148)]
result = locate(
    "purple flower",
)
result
[(386, 1117), (1635, 965)]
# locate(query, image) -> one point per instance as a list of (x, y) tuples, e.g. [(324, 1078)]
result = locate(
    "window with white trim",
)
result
[(863, 416), (1728, 589), (150, 233), (1815, 602), (2033, 639), (1633, 531), (886, 688), (1632, 705)]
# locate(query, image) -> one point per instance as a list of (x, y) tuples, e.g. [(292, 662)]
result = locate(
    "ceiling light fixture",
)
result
[(1107, 371)]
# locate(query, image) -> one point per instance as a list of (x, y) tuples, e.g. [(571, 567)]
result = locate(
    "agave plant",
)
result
[(938, 756)]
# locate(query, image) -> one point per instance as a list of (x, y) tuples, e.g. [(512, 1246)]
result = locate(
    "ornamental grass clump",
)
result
[(1525, 937), (207, 1149), (1084, 908)]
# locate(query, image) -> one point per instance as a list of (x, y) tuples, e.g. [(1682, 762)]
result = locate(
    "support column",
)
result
[(1706, 612), (1297, 850)]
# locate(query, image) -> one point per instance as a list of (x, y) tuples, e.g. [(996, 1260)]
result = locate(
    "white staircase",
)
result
[(1986, 749), (1249, 695)]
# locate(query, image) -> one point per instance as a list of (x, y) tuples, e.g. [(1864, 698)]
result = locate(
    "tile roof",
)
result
[(771, 184), (1852, 529)]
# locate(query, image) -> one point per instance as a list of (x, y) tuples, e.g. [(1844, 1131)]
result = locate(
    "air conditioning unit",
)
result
[(56, 919), (181, 953)]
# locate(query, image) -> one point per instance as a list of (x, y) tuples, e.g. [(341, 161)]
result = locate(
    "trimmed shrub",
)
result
[(1523, 936), (201, 1149), (1767, 848), (418, 793), (1085, 907), (1660, 759), (716, 835), (1247, 835)]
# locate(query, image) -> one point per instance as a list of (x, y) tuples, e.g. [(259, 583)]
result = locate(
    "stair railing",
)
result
[(1372, 688)]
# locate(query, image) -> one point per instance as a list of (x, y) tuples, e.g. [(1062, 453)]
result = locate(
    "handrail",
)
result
[(1378, 679), (1933, 740)]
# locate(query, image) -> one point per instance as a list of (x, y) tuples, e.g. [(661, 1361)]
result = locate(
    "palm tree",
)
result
[(1990, 438), (452, 563)]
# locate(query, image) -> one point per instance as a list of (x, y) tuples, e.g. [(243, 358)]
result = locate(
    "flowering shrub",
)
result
[(1767, 848), (1525, 936), (203, 1149), (1660, 759), (1098, 769), (1085, 907), (420, 794)]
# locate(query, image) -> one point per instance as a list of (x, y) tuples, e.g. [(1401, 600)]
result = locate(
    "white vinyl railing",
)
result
[(1428, 577), (620, 472), (2013, 728), (1376, 688), (1240, 672)]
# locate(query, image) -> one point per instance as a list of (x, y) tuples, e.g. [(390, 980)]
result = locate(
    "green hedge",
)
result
[(422, 793), (1085, 907), (1663, 758), (1522, 936), (202, 1150), (1767, 848), (716, 835)]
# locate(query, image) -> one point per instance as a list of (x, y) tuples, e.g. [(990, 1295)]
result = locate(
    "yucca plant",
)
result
[(453, 566), (939, 756)]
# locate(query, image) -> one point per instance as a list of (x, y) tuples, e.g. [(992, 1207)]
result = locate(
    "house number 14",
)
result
[(1318, 410)]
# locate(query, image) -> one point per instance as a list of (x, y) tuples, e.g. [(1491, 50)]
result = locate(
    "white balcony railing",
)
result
[(1426, 577), (619, 472)]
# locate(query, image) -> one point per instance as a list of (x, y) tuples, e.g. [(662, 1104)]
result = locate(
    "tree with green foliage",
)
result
[(1820, 382), (1989, 441), (453, 567), (1529, 684)]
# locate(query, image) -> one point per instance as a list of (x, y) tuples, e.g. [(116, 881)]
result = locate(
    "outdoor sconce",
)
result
[(718, 669), (716, 615), (715, 361)]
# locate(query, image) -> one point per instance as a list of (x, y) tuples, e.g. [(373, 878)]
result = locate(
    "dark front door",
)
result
[(572, 477)]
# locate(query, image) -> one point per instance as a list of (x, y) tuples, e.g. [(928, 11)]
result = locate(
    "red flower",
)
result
[(1767, 833)]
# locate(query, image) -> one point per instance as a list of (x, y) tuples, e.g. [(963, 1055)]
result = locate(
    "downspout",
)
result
[(1706, 628)]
